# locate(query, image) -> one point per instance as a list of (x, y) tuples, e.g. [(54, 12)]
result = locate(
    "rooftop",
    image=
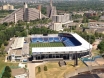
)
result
[(18, 43)]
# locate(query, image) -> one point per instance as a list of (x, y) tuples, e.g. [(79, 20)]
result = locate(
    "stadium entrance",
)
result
[(65, 56)]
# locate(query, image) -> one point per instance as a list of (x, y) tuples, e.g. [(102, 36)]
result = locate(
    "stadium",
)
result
[(59, 46)]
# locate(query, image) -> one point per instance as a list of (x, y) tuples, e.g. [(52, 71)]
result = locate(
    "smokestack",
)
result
[(25, 5), (39, 8), (51, 3)]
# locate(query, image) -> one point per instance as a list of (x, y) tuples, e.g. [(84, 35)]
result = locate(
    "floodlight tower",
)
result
[(76, 59)]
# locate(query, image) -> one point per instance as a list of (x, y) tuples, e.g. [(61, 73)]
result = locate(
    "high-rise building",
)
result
[(51, 10), (24, 14)]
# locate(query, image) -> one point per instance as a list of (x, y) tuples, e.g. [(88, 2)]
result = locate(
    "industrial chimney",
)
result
[(25, 5), (39, 8)]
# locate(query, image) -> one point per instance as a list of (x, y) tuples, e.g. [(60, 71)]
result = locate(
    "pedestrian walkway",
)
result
[(84, 69), (31, 69)]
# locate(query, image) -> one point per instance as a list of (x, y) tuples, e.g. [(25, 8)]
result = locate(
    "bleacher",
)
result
[(63, 38), (34, 40), (46, 39), (75, 41), (68, 41), (40, 39), (51, 39), (56, 39)]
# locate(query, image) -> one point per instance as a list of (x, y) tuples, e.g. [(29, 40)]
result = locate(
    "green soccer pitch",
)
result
[(52, 44)]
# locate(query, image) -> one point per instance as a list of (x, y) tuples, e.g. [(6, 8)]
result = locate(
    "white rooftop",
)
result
[(18, 43)]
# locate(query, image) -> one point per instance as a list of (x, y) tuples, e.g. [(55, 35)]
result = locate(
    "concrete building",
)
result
[(51, 10), (8, 7), (24, 14), (59, 21), (57, 26), (60, 18), (18, 50)]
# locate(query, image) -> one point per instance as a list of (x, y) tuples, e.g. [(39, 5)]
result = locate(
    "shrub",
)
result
[(45, 68), (5, 43), (8, 69), (39, 69), (6, 74)]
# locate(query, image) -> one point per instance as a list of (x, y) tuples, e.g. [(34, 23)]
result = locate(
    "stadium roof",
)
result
[(18, 43), (85, 46), (57, 49)]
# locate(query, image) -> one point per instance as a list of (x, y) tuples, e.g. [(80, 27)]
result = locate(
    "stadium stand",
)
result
[(40, 39), (63, 38), (56, 39), (67, 40), (75, 41), (51, 39), (34, 40), (45, 39), (68, 43)]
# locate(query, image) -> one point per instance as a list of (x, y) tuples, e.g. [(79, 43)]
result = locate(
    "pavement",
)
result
[(31, 69), (5, 58)]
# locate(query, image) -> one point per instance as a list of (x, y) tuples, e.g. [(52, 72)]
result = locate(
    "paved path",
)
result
[(84, 69), (31, 68), (5, 58)]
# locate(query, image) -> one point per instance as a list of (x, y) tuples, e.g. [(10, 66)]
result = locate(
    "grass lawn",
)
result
[(53, 44), (95, 52), (54, 71), (3, 64)]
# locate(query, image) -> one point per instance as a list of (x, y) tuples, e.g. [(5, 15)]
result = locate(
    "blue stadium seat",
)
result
[(64, 38), (56, 39), (45, 39), (51, 39), (68, 43), (75, 41), (40, 39), (34, 40)]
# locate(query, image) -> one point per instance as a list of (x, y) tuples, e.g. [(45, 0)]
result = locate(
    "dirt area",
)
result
[(95, 44), (55, 71), (100, 61), (91, 63), (18, 71)]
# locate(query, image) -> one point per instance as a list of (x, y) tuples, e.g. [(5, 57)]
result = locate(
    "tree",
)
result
[(5, 43), (85, 19), (2, 48), (39, 69), (8, 69), (101, 46), (6, 74), (23, 34), (101, 52), (45, 68)]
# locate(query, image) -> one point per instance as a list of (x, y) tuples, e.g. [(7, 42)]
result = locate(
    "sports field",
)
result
[(53, 44)]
